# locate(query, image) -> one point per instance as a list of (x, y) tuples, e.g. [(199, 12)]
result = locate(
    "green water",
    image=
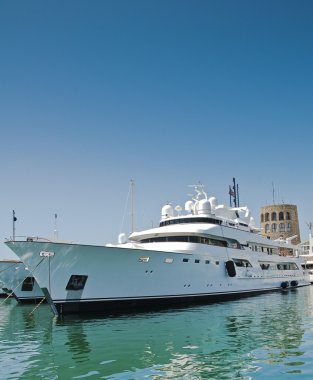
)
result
[(267, 336)]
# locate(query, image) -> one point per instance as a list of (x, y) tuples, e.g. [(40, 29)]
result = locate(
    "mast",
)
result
[(14, 219), (233, 194), (132, 190), (55, 227)]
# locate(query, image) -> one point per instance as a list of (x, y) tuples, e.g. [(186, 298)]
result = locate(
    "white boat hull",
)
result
[(122, 278), (17, 281)]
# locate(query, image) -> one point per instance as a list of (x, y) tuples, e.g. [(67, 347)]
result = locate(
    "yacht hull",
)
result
[(14, 277), (83, 278)]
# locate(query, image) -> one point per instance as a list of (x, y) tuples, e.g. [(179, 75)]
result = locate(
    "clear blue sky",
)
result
[(169, 93)]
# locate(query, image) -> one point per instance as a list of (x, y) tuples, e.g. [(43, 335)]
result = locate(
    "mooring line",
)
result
[(31, 271), (36, 307), (10, 266)]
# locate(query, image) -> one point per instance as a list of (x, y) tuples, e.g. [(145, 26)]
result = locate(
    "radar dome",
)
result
[(189, 206), (204, 207), (213, 202), (167, 212)]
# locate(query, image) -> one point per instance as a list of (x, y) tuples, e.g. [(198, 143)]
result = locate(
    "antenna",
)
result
[(234, 194), (14, 219), (56, 237), (310, 225), (273, 189)]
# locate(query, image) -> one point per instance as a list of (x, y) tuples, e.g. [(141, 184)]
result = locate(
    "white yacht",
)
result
[(210, 252), (16, 281), (306, 253)]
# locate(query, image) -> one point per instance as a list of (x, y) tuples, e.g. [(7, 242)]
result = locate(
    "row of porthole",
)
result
[(145, 259)]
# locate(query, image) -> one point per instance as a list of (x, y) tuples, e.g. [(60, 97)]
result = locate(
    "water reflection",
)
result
[(248, 338)]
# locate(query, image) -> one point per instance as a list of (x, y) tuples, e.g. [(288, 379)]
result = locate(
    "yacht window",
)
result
[(28, 284), (207, 261), (76, 282), (197, 261), (190, 220), (168, 260), (242, 263), (189, 239), (287, 266), (217, 262), (185, 260), (265, 266)]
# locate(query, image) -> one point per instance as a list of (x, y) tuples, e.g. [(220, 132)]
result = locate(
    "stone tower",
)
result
[(280, 220)]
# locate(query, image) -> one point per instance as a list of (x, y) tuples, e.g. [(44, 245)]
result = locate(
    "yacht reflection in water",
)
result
[(223, 340)]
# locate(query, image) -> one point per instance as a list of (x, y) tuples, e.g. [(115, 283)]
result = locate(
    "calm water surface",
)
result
[(254, 338)]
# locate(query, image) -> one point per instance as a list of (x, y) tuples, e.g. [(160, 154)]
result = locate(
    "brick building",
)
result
[(280, 220)]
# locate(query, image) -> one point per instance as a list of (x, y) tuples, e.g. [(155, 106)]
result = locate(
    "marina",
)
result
[(179, 276)]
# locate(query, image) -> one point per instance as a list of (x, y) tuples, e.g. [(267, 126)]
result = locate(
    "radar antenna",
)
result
[(200, 193), (233, 194), (310, 225)]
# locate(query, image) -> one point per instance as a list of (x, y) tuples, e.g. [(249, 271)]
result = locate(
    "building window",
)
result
[(274, 227), (288, 215), (76, 282), (262, 218), (274, 216), (281, 216), (281, 227), (267, 217), (288, 227), (267, 228)]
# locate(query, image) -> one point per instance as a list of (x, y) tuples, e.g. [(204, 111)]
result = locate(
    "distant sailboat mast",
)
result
[(132, 190), (14, 219), (56, 234)]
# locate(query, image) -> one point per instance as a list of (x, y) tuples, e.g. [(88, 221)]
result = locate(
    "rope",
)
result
[(31, 271), (35, 308), (10, 266)]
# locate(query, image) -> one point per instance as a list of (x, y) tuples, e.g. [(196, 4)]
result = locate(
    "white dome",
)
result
[(189, 206), (204, 207), (213, 202), (167, 212)]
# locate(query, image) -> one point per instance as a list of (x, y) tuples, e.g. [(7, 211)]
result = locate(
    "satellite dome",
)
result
[(167, 212), (189, 206), (204, 207), (213, 202)]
